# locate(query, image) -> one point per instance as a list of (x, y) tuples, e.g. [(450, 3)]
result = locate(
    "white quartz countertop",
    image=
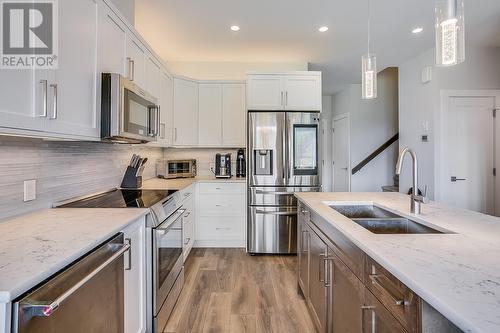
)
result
[(458, 274), (179, 184), (35, 246)]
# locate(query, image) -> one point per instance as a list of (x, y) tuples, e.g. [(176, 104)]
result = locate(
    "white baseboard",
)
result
[(220, 243)]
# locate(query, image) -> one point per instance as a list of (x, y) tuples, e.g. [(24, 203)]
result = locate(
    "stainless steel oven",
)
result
[(128, 113), (167, 270)]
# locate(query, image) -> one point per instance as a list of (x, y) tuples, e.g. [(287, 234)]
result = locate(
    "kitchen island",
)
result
[(456, 272)]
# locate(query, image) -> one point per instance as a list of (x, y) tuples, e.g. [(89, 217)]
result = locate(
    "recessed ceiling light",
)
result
[(323, 29), (417, 30), (235, 28)]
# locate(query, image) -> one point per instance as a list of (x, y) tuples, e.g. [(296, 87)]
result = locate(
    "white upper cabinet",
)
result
[(296, 91), (185, 112), (265, 92), (112, 42), (166, 110), (210, 115), (72, 91), (233, 115), (153, 77), (302, 93), (136, 59), (22, 99)]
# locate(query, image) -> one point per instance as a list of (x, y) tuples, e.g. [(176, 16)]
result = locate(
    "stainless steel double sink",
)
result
[(381, 221)]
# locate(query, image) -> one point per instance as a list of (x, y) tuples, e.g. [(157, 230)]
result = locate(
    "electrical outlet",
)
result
[(29, 190)]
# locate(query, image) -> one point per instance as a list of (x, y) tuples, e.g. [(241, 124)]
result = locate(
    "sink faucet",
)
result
[(415, 199)]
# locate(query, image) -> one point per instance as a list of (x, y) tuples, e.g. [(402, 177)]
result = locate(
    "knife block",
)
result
[(130, 180)]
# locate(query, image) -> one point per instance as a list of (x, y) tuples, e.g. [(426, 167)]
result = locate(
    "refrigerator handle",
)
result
[(285, 150)]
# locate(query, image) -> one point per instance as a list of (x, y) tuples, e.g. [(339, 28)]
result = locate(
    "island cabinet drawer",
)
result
[(401, 302), (349, 253), (222, 205), (377, 319), (222, 188), (220, 228)]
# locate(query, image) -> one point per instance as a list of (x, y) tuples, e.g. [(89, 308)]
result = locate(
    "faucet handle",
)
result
[(422, 198)]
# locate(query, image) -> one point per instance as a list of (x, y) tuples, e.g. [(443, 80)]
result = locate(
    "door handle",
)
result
[(273, 193), (45, 99), (455, 179), (132, 62), (129, 242), (282, 104), (286, 98), (321, 268), (54, 114)]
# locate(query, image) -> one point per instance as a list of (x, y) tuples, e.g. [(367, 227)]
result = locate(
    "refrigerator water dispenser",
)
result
[(263, 159)]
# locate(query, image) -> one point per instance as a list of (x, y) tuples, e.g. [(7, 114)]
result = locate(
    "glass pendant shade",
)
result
[(450, 33), (369, 76)]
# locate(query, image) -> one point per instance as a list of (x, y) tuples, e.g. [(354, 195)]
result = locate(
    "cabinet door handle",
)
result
[(54, 112), (375, 280), (175, 134), (129, 264), (282, 103), (188, 239), (328, 272), (286, 98), (321, 268), (132, 62), (187, 214), (373, 322), (45, 99)]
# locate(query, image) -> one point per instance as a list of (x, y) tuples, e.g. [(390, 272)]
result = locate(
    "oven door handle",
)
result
[(168, 223)]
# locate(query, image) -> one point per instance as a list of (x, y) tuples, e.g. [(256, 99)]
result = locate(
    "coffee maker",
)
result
[(240, 163), (223, 166)]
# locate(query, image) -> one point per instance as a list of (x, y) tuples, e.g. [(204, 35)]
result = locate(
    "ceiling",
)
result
[(287, 31)]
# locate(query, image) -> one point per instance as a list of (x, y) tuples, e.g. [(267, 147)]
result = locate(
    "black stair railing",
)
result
[(377, 152)]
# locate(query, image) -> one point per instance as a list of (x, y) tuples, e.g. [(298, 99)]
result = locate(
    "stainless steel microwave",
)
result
[(176, 169), (129, 114)]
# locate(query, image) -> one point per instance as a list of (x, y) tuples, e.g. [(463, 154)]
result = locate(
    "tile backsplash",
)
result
[(62, 170), (205, 157)]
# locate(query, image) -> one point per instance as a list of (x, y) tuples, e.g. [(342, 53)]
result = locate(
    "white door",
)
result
[(72, 94), (135, 279), (210, 115), (153, 77), (185, 113), (166, 110), (469, 154), (233, 115), (112, 41), (265, 92), (136, 57), (302, 93), (341, 155)]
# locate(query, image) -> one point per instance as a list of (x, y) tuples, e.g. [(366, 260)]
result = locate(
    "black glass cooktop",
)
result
[(122, 198)]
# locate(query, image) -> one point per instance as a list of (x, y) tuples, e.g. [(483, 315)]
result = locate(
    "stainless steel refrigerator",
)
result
[(282, 159)]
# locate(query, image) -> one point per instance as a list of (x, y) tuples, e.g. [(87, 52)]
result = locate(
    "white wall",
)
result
[(127, 8), (326, 148), (228, 70), (421, 103), (373, 122)]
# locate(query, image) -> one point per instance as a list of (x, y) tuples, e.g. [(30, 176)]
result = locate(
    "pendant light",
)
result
[(369, 69), (450, 33)]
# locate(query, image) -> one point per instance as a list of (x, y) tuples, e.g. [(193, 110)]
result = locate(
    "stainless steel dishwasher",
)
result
[(85, 297)]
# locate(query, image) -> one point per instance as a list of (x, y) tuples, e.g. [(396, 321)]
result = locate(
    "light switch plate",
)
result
[(29, 190)]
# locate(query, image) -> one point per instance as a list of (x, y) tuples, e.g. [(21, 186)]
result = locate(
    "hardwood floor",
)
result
[(227, 290)]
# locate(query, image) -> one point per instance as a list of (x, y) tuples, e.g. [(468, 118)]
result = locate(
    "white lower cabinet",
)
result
[(188, 220), (135, 278), (221, 215)]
